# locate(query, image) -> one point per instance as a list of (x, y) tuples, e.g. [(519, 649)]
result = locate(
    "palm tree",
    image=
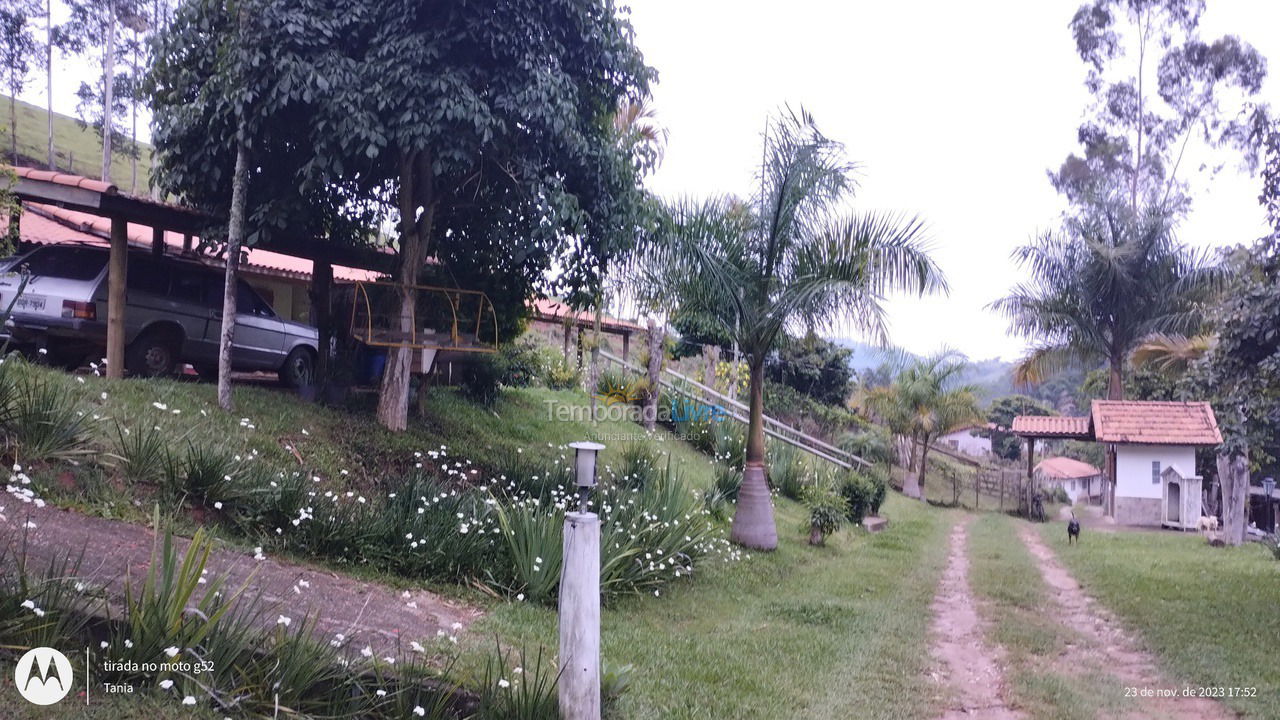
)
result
[(924, 402), (1108, 281), (790, 258), (1171, 354)]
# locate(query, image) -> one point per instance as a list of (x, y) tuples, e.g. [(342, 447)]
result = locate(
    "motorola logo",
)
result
[(43, 676)]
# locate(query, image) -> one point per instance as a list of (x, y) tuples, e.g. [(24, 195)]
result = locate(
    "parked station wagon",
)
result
[(173, 315)]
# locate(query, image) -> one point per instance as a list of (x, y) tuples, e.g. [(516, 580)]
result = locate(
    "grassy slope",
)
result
[(831, 632), (77, 149), (1211, 616), (838, 631), (1012, 597)]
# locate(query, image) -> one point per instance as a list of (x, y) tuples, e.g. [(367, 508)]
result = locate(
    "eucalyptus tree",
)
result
[(925, 401), (794, 256), (18, 49)]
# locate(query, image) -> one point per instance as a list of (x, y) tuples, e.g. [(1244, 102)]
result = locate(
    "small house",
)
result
[(967, 440), (1147, 437), (1081, 481)]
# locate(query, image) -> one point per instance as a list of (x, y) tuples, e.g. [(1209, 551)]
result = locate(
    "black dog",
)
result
[(1073, 530)]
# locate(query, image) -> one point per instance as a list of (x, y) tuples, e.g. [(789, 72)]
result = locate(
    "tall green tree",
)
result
[(791, 257), (19, 49), (1001, 414), (925, 401)]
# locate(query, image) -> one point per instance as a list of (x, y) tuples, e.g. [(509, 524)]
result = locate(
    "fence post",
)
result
[(579, 690)]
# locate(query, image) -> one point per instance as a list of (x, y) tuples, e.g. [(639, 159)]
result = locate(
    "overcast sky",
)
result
[(954, 109)]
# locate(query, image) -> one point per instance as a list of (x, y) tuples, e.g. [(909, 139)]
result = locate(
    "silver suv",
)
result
[(173, 315)]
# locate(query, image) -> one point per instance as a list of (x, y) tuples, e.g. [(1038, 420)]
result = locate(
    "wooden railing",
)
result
[(774, 428)]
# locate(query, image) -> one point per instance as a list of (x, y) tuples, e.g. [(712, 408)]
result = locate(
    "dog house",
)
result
[(1180, 502)]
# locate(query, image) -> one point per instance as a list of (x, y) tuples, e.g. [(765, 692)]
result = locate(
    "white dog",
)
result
[(1208, 523)]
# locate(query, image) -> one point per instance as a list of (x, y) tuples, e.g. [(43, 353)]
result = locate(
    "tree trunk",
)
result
[(235, 240), (133, 128), (416, 191), (48, 70), (1233, 473), (13, 127), (753, 524), (657, 332), (593, 374), (712, 353), (322, 316), (108, 93)]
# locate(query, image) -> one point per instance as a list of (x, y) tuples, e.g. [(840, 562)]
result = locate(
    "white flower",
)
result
[(171, 651), (456, 626), (128, 643), (390, 660), (502, 683), (417, 710), (217, 505), (166, 684), (29, 604), (520, 597), (367, 651), (284, 620), (380, 692), (188, 700), (416, 646), (104, 644)]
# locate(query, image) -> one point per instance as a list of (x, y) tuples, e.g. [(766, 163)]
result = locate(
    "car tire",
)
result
[(299, 368), (152, 354)]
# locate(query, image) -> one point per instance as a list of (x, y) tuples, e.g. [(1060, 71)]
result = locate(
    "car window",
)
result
[(71, 263), (149, 275), (188, 285), (248, 301)]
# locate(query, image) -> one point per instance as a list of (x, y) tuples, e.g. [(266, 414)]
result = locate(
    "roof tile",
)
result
[(1051, 426), (1155, 423)]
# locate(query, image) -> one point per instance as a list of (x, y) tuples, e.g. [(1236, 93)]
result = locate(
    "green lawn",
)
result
[(77, 149), (835, 632), (1210, 616), (1012, 598)]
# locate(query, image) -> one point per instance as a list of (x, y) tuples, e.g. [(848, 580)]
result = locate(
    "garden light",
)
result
[(585, 461)]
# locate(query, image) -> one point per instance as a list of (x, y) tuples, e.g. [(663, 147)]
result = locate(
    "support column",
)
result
[(321, 317), (186, 242), (579, 688), (157, 241), (1028, 492), (626, 346), (117, 267)]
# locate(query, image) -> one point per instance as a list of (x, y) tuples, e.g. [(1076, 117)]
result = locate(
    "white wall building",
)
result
[(968, 441)]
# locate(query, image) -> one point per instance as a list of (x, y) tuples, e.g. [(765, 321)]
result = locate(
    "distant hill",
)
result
[(993, 377), (77, 150)]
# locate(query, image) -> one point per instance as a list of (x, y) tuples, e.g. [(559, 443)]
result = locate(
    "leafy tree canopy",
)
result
[(1001, 414), (814, 366)]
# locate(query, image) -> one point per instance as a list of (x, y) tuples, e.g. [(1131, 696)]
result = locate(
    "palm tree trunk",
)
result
[(657, 334), (13, 125), (924, 465), (753, 524)]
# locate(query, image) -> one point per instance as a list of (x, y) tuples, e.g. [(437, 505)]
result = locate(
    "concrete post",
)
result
[(579, 689)]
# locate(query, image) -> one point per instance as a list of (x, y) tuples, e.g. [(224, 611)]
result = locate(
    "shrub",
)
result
[(873, 444), (522, 363), (534, 548), (529, 695), (731, 444), (562, 375), (878, 476), (827, 510), (639, 466), (787, 470), (141, 454), (39, 420), (481, 380), (728, 480), (858, 492)]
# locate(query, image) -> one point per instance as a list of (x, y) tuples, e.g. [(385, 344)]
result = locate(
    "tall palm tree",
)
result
[(1109, 280), (792, 257), (925, 402)]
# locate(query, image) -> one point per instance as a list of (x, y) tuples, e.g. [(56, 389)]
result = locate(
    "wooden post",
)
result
[(157, 241), (626, 346), (566, 341), (321, 283), (579, 688), (1002, 491), (117, 267), (1031, 461), (186, 242)]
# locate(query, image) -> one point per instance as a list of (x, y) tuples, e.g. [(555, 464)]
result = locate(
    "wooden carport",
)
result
[(95, 197), (1048, 427)]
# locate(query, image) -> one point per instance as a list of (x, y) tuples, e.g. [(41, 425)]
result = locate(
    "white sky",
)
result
[(954, 109)]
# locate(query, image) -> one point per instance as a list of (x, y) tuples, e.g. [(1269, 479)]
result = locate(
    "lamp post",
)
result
[(579, 689)]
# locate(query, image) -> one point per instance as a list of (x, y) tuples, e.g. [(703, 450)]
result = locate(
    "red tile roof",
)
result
[(1051, 426), (1066, 468), (1155, 423), (48, 224), (64, 179), (549, 310)]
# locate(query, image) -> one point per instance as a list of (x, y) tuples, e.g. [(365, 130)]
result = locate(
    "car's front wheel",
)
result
[(299, 369), (154, 353)]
